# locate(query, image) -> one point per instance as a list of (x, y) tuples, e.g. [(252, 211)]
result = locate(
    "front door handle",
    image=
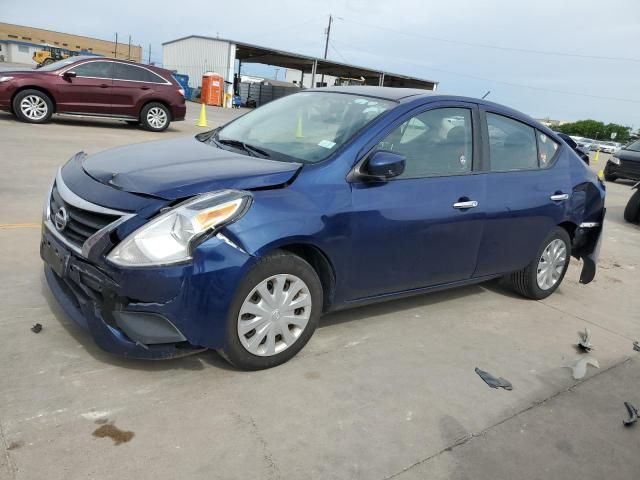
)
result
[(145, 88), (104, 85), (465, 205), (559, 197)]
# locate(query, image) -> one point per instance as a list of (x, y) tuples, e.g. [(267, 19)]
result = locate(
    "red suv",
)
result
[(96, 87)]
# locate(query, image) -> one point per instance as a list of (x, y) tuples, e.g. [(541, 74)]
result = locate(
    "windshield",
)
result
[(306, 126), (634, 147), (52, 67)]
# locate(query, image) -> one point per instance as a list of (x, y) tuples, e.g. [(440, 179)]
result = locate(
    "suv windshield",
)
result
[(52, 67), (634, 147), (306, 126)]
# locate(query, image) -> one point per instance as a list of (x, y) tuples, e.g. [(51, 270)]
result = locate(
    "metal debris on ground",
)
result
[(494, 382), (37, 328), (584, 341), (580, 366), (636, 346), (633, 414)]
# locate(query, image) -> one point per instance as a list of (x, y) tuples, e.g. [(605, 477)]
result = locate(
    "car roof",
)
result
[(386, 93)]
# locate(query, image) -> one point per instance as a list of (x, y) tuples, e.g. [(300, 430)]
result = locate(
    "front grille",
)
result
[(81, 223)]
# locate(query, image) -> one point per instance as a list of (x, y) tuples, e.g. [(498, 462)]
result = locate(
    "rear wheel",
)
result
[(274, 312), (155, 117), (632, 210), (546, 271), (33, 106)]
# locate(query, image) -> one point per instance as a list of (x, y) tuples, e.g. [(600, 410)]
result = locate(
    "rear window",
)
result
[(512, 144), (137, 74)]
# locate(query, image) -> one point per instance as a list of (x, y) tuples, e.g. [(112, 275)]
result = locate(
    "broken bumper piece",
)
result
[(586, 246)]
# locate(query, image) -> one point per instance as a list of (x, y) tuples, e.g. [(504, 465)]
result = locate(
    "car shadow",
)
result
[(88, 122), (423, 300)]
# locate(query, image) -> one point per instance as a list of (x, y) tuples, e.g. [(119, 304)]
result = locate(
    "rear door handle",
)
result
[(104, 85), (145, 88), (465, 205), (558, 197)]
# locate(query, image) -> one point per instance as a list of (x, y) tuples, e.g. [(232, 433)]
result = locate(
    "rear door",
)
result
[(413, 230), (132, 85), (528, 193), (89, 91)]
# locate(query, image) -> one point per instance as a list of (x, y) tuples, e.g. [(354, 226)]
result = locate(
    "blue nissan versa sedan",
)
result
[(238, 239)]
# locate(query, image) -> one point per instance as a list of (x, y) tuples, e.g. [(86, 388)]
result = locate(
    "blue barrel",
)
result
[(183, 80)]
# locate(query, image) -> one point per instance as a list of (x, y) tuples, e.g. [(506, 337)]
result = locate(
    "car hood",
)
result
[(182, 167), (628, 155)]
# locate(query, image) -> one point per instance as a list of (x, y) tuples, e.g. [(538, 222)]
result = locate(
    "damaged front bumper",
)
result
[(147, 313)]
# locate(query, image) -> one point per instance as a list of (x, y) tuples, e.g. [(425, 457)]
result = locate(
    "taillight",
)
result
[(181, 91)]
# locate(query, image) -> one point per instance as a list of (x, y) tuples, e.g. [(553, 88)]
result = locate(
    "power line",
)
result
[(521, 85), (336, 50), (496, 47)]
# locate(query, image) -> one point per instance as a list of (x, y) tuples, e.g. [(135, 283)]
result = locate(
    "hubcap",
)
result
[(274, 315), (551, 264), (156, 117), (34, 107)]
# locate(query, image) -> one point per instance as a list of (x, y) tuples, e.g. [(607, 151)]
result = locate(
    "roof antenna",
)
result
[(486, 94)]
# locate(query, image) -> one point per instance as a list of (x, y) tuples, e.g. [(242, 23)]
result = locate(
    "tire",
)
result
[(525, 281), (155, 117), (294, 272), (47, 61), (609, 177), (632, 210), (32, 106)]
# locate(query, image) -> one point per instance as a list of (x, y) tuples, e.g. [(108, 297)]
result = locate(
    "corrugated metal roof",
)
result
[(250, 53)]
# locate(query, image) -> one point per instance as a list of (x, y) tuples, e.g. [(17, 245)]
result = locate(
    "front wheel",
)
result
[(274, 312), (546, 271), (155, 117), (33, 106), (609, 177), (632, 210)]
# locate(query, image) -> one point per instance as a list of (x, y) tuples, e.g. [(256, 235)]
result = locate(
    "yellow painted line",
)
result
[(9, 226)]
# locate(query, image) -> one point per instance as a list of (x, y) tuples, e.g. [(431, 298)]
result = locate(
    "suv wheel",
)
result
[(632, 210), (33, 106), (274, 312), (546, 271), (155, 117)]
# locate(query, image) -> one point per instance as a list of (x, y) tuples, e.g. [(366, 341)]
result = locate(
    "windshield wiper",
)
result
[(250, 149)]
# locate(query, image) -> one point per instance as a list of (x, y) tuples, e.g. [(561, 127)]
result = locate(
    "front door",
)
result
[(89, 91), (424, 227)]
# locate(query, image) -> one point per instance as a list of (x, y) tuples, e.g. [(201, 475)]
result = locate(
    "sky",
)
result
[(586, 62)]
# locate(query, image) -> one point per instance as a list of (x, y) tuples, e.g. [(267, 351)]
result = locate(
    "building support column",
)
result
[(381, 81), (313, 73)]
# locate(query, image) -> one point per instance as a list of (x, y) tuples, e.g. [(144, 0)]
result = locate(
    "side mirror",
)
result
[(69, 74), (383, 165)]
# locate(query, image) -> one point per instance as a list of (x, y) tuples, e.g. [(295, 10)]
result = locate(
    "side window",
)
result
[(131, 72), (93, 69), (512, 144), (436, 142), (547, 149)]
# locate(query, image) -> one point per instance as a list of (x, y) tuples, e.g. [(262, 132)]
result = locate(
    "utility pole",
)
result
[(129, 54), (149, 62), (326, 43), (115, 53)]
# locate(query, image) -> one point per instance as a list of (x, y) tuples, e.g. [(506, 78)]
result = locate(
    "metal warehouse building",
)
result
[(194, 55)]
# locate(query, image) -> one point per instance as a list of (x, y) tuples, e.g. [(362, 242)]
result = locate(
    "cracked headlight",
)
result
[(170, 237)]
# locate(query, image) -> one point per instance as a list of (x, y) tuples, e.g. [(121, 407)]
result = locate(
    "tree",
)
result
[(593, 129)]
